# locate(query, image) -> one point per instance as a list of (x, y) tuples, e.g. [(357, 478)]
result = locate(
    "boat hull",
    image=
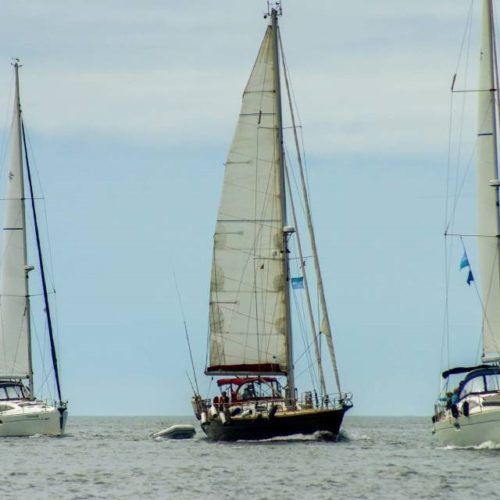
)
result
[(285, 424), (36, 419), (473, 430)]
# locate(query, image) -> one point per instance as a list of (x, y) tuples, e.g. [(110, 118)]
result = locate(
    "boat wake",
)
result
[(295, 438), (487, 445)]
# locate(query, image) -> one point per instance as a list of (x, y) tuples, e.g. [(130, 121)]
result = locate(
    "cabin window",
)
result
[(3, 394), (493, 382), (473, 385), (14, 392)]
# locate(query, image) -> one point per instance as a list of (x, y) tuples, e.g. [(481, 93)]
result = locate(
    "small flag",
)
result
[(298, 282), (470, 277), (465, 261)]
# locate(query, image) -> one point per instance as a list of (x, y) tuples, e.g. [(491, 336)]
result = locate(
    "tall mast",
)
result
[(23, 145), (488, 220), (27, 269), (279, 124)]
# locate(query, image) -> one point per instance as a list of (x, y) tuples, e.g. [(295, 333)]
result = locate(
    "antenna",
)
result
[(187, 338)]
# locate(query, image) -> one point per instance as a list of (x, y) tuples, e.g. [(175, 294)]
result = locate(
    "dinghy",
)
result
[(177, 431)]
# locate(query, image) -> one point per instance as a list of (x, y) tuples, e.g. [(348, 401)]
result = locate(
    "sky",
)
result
[(130, 108)]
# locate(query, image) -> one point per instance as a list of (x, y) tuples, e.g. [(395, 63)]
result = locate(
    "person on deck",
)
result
[(224, 400)]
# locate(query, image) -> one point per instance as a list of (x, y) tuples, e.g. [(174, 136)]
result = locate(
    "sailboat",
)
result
[(251, 354), (468, 410), (21, 413)]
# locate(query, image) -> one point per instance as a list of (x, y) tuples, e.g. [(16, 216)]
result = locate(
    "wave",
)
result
[(487, 445)]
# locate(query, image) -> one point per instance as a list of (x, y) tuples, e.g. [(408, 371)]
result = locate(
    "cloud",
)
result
[(367, 75)]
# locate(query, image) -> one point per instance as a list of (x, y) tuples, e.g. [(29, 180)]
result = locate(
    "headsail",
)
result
[(487, 196), (248, 316), (14, 303)]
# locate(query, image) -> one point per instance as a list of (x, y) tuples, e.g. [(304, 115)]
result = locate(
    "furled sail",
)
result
[(247, 297), (14, 306), (487, 196)]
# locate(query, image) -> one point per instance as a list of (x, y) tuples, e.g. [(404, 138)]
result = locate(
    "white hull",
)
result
[(28, 418), (480, 427)]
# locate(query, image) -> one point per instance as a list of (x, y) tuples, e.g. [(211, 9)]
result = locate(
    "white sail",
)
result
[(14, 307), (247, 299), (487, 208)]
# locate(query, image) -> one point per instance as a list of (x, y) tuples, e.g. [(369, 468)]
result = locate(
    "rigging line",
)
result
[(47, 242), (47, 239), (448, 166), (312, 373), (467, 30), (445, 326), (466, 36), (476, 288), (307, 292), (6, 128), (462, 118), (458, 235), (296, 120), (195, 392), (458, 194), (327, 331), (42, 271), (46, 374), (186, 332)]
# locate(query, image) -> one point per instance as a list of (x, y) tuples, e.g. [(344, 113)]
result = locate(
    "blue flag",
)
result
[(298, 282), (465, 261), (470, 277)]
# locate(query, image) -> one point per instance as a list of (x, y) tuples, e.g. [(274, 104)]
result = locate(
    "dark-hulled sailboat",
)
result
[(250, 338)]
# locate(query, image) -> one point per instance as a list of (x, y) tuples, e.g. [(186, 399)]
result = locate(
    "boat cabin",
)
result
[(10, 390), (240, 389), (480, 381)]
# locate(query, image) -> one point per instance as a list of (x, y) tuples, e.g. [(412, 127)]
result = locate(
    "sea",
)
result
[(116, 457)]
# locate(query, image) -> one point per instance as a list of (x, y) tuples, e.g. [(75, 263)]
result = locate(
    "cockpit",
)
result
[(251, 388)]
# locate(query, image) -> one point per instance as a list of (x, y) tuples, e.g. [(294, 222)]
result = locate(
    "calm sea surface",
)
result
[(115, 458)]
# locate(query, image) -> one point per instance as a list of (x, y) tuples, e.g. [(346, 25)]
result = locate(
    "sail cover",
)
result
[(14, 337), (487, 213), (247, 297)]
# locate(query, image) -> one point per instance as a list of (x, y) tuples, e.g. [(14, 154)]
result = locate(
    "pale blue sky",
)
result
[(131, 106)]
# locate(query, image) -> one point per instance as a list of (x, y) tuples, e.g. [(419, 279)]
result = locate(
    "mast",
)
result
[(42, 270), (27, 269), (282, 181), (488, 198)]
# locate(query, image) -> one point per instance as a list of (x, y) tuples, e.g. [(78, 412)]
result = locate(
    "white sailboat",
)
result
[(21, 414), (250, 337), (469, 415)]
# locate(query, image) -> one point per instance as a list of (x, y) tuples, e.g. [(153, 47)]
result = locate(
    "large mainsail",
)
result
[(14, 303), (487, 196), (248, 315)]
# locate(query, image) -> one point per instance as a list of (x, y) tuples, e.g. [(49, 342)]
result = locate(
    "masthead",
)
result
[(274, 6)]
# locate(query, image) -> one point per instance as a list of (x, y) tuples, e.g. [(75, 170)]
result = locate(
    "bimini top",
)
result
[(244, 380), (465, 369)]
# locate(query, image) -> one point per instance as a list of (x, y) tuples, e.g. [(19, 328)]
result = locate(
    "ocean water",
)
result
[(114, 457)]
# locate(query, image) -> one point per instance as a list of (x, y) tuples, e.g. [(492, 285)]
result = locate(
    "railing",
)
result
[(307, 401)]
